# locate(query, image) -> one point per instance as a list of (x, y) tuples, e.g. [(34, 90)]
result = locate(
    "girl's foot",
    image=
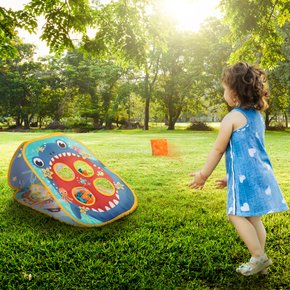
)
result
[(255, 265)]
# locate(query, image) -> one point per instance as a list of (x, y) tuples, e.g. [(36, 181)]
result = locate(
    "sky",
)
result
[(188, 14), (42, 48)]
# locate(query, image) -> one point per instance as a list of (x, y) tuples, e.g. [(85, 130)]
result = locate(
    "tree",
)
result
[(260, 34), (62, 18), (19, 86), (56, 92), (150, 72), (180, 70), (256, 30), (279, 80), (121, 30), (84, 75), (7, 34), (158, 31), (96, 82), (213, 52), (119, 26)]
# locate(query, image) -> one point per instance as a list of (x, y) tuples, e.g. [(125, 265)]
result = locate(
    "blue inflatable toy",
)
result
[(60, 177)]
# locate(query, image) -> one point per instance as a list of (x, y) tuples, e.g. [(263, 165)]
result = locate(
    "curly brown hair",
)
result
[(249, 82)]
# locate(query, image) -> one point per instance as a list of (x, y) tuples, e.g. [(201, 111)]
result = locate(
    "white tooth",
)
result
[(112, 205), (52, 159), (74, 154), (116, 202), (63, 154), (118, 196), (79, 156), (60, 155), (100, 210), (50, 163), (68, 154), (107, 208), (93, 209), (56, 157)]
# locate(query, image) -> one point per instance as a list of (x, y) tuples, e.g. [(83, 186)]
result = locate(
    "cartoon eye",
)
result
[(38, 162), (61, 144)]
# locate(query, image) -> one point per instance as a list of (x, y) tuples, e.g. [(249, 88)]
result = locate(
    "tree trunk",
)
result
[(267, 120), (286, 120), (18, 121), (39, 122), (109, 125), (173, 116), (26, 122), (31, 118), (166, 122), (171, 124), (147, 102), (97, 122)]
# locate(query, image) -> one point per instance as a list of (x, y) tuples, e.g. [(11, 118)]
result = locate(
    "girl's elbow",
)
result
[(219, 151)]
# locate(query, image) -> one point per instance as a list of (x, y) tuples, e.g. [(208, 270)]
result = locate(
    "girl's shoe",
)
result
[(254, 266)]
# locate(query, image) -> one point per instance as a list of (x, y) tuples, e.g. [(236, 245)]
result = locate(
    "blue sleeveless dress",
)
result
[(252, 187)]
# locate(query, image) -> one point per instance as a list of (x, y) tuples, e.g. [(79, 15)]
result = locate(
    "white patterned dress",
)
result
[(252, 187)]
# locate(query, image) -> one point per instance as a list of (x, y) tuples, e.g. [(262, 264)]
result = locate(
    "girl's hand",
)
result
[(198, 181), (221, 183)]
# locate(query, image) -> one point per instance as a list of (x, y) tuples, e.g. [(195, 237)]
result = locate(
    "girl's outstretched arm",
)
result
[(215, 155)]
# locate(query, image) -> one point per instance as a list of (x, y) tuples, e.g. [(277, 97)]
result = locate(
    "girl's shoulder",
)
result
[(235, 114), (236, 118)]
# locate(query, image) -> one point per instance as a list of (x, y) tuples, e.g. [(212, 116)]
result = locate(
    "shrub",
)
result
[(199, 126)]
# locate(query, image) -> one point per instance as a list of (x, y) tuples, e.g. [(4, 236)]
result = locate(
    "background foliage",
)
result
[(137, 67)]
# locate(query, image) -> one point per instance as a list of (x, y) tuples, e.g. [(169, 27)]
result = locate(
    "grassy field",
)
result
[(178, 238)]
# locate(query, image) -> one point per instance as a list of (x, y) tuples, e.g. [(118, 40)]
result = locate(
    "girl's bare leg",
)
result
[(253, 238), (260, 230)]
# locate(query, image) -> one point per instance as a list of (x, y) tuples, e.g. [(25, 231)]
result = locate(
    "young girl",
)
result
[(252, 189)]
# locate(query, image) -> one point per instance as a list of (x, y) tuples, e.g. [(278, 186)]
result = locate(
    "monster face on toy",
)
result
[(86, 190)]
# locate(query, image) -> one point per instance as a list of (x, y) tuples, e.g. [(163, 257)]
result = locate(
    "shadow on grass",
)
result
[(21, 217)]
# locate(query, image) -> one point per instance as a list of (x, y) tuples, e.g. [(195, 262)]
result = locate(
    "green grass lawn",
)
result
[(178, 238)]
